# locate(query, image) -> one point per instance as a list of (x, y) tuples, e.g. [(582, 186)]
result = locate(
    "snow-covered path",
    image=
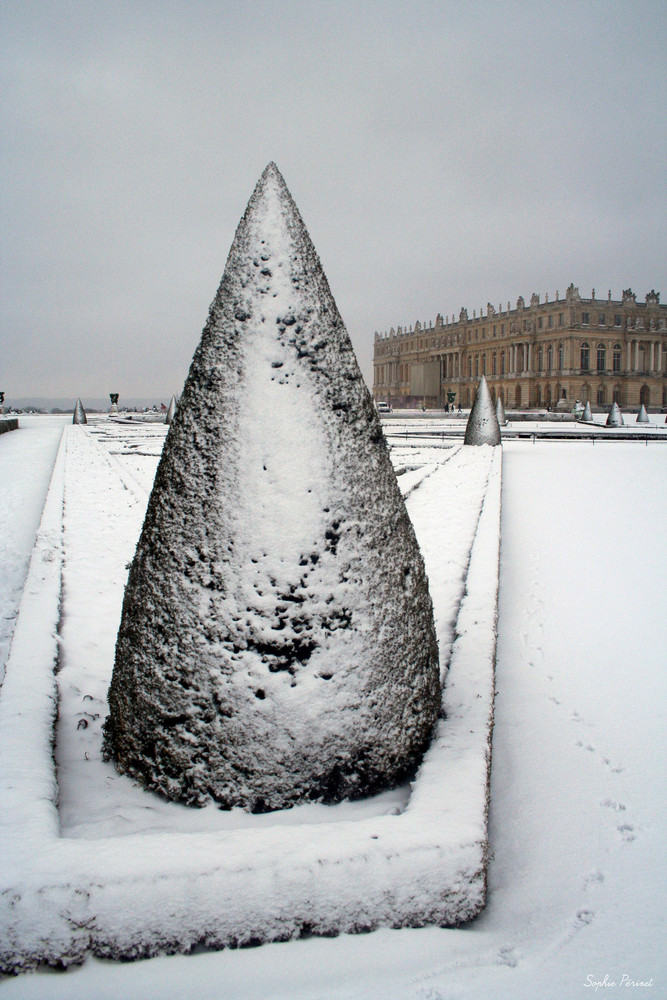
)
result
[(26, 459), (578, 824)]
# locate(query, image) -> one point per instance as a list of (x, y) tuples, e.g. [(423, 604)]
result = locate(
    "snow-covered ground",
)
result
[(578, 823), (26, 460)]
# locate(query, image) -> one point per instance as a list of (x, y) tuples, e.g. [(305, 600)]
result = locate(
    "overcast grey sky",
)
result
[(442, 154)]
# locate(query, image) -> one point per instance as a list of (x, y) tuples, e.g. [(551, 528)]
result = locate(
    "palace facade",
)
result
[(544, 354)]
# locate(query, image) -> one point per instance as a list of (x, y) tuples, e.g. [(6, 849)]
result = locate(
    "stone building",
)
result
[(541, 354)]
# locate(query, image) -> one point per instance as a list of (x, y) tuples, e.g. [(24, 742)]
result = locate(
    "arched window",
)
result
[(586, 392), (539, 359), (476, 365), (585, 356), (550, 357), (502, 362), (547, 396), (561, 355), (469, 367), (601, 396), (616, 357), (517, 396), (616, 395), (484, 364), (601, 357), (494, 363), (645, 396)]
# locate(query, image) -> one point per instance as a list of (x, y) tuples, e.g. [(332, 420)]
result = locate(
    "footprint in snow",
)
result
[(627, 832), (613, 804), (507, 956), (595, 878), (583, 918)]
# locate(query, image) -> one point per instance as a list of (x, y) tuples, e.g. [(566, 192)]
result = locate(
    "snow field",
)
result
[(105, 882), (573, 892), (26, 456)]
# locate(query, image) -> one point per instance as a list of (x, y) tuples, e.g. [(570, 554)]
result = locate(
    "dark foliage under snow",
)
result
[(277, 640)]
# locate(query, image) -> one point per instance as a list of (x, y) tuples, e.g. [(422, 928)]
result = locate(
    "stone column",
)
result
[(530, 368), (629, 361), (658, 363), (651, 365), (636, 355)]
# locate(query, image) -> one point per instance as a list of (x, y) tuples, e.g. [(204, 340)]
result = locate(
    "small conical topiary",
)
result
[(642, 416), (277, 640), (500, 413), (615, 418), (79, 415), (482, 426), (587, 415), (171, 410)]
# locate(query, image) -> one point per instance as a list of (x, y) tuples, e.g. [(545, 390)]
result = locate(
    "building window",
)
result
[(550, 357), (494, 329), (469, 367), (585, 318), (550, 321), (601, 358), (477, 366), (539, 359), (502, 329), (493, 363), (601, 319), (601, 396), (585, 357), (561, 355), (484, 364), (539, 322), (617, 319), (616, 357), (502, 362), (560, 319)]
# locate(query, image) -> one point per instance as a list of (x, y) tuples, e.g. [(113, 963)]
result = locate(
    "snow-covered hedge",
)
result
[(277, 642)]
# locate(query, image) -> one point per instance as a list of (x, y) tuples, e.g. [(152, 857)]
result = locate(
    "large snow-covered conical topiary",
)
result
[(277, 640), (482, 426), (500, 413), (642, 416), (615, 418), (587, 415), (79, 414)]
